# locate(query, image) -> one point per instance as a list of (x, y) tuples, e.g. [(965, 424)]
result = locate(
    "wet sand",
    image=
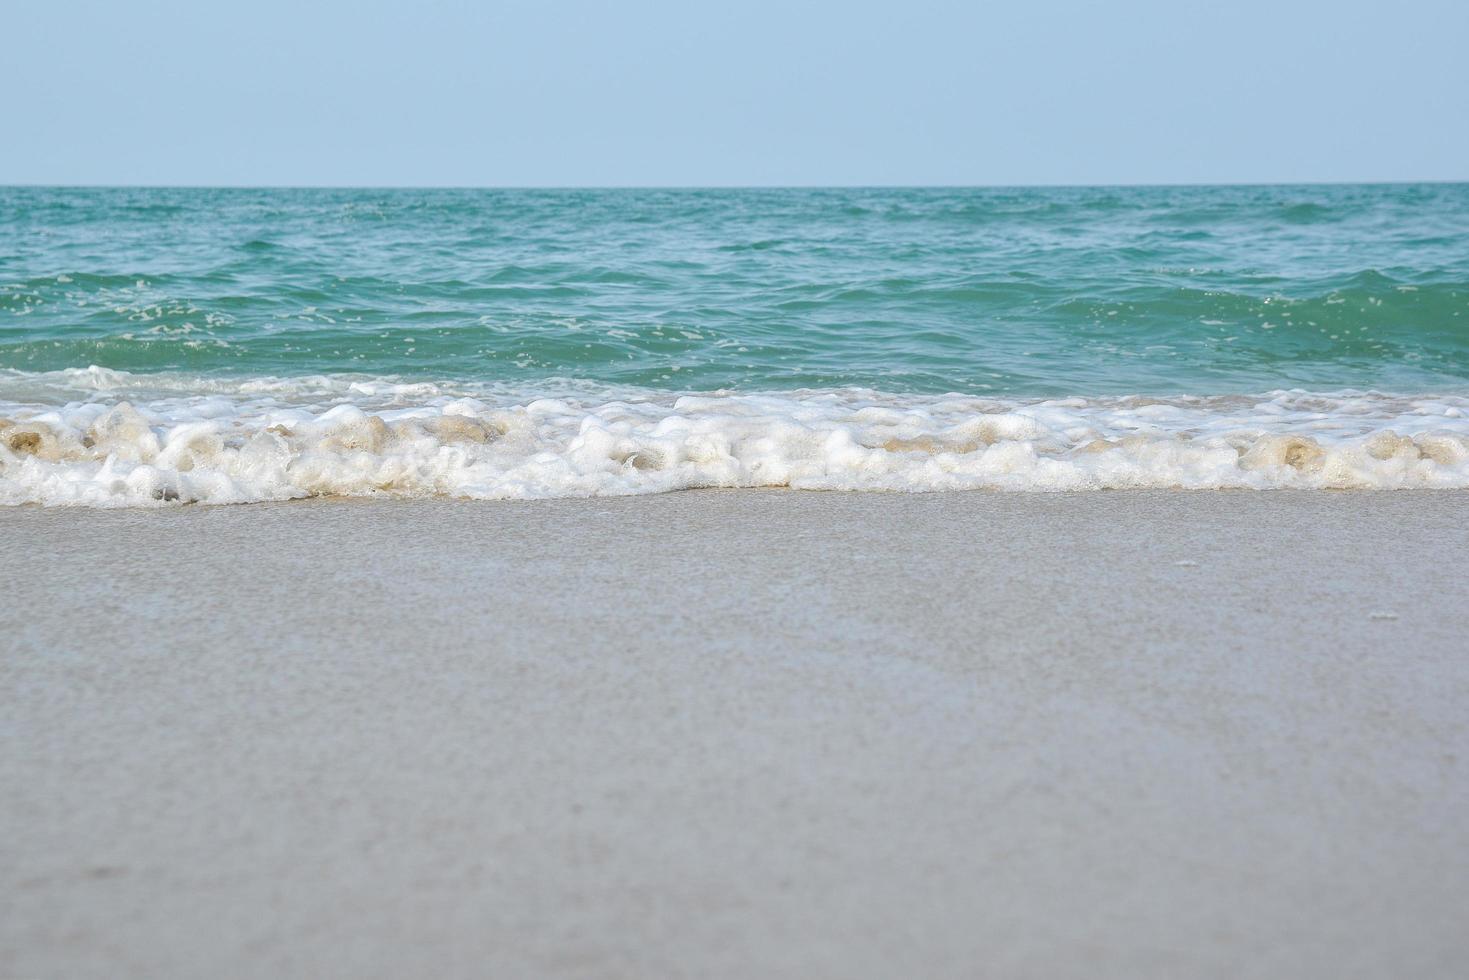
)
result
[(734, 734)]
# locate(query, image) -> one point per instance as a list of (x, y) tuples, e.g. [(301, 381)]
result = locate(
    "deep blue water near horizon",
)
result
[(1006, 291)]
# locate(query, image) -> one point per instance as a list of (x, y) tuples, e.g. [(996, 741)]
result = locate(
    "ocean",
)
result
[(165, 346)]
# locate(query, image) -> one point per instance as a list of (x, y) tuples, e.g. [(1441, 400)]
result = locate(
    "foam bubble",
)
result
[(105, 438)]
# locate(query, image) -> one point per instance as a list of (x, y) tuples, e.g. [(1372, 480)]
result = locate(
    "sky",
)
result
[(636, 92)]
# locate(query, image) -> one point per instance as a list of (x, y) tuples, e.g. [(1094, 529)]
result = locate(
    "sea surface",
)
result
[(164, 346)]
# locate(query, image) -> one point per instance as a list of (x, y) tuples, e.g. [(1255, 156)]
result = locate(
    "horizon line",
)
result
[(736, 187)]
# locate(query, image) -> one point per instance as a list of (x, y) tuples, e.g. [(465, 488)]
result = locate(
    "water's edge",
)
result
[(105, 438)]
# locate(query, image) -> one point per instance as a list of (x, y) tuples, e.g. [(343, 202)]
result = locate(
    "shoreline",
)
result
[(396, 499), (257, 442), (1140, 733)]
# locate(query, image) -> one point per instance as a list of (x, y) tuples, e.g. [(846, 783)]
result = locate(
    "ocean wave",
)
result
[(1021, 292), (104, 438)]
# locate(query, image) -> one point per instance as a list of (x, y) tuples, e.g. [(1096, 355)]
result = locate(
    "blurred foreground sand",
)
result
[(739, 734)]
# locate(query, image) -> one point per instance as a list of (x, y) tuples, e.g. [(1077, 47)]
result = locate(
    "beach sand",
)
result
[(745, 733)]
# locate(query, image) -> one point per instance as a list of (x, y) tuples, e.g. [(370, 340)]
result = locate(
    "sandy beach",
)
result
[(748, 733)]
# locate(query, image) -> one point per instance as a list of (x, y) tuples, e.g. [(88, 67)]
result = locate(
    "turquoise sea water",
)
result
[(1009, 291), (234, 345)]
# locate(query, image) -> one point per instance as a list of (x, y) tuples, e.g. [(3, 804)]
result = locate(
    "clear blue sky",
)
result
[(737, 92)]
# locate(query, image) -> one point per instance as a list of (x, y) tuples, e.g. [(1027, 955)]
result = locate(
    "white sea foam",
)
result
[(106, 438)]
